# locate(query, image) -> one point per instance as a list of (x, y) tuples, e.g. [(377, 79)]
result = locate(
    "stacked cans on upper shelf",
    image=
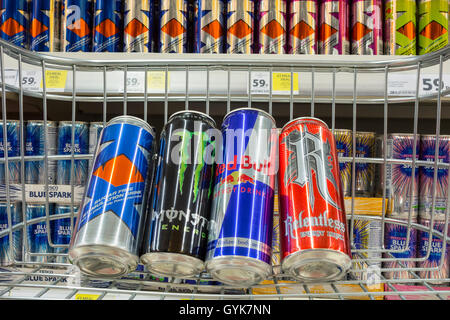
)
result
[(360, 27)]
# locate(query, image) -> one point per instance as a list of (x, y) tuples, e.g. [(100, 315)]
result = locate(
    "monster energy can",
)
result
[(433, 25), (176, 234), (400, 27)]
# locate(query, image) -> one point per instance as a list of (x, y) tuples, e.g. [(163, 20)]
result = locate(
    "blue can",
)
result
[(45, 25), (240, 232), (64, 147), (7, 253), (95, 129), (61, 230), (107, 26), (35, 146), (37, 237), (77, 25), (14, 19), (13, 146)]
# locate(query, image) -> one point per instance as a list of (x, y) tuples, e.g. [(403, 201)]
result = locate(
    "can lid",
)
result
[(42, 121), (403, 134), (132, 120), (202, 114), (366, 132), (312, 119), (268, 115), (434, 136), (70, 122)]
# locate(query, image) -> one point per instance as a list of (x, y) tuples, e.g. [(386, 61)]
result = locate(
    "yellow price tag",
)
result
[(156, 81), (55, 79), (281, 83), (85, 296)]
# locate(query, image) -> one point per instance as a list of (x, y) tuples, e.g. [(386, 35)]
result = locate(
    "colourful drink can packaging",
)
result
[(76, 26), (426, 179), (209, 26), (107, 27), (37, 237), (240, 26), (438, 247), (365, 172), (45, 25), (12, 140), (9, 254), (138, 26), (14, 20), (366, 30), (344, 143), (95, 129), (61, 230), (174, 25), (240, 231), (334, 34), (303, 26), (109, 226), (314, 235), (432, 25), (273, 24), (400, 27)]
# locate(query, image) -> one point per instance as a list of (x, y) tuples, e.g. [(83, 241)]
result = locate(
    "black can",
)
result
[(176, 231)]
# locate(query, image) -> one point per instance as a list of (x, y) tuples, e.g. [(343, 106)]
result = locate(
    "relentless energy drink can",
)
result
[(240, 232), (209, 29), (61, 231), (176, 235), (138, 26), (45, 25), (273, 23), (400, 27), (14, 20), (76, 26), (95, 129), (109, 226), (344, 144), (35, 146), (433, 25), (10, 251), (334, 34), (174, 20), (365, 172), (240, 26), (107, 27), (366, 30), (37, 237), (303, 26), (12, 141), (64, 147)]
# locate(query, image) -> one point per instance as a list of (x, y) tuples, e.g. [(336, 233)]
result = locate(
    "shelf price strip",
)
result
[(405, 84), (281, 83)]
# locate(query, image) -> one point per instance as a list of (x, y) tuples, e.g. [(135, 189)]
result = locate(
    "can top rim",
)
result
[(253, 109), (366, 132), (76, 122), (146, 125), (305, 118), (96, 122), (207, 116), (434, 135)]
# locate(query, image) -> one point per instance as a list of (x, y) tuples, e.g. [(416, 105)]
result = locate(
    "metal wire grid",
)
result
[(209, 65)]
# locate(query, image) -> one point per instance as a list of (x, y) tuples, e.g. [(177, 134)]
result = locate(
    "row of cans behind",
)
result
[(360, 27)]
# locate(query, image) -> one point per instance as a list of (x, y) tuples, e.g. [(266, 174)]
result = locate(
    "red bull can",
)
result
[(334, 36), (76, 28), (138, 26), (209, 26), (45, 25), (272, 37), (109, 226), (432, 25), (174, 20), (367, 36), (107, 26), (303, 25), (14, 19), (240, 232), (400, 27), (240, 26)]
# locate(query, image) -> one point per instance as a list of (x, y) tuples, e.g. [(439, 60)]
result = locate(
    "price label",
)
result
[(405, 84), (431, 83), (55, 80), (135, 81), (283, 84), (156, 81), (260, 83), (86, 296), (11, 77), (31, 79)]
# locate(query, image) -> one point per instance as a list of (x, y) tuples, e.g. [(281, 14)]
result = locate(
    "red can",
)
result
[(314, 237)]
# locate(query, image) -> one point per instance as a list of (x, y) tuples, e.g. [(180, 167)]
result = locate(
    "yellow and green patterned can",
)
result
[(400, 27), (433, 25)]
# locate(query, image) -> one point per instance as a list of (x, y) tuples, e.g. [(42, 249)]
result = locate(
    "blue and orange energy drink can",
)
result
[(14, 20), (367, 27), (45, 25), (109, 228), (303, 25), (174, 25), (107, 26), (12, 142), (240, 26), (138, 25), (273, 22), (209, 26), (334, 34), (76, 26)]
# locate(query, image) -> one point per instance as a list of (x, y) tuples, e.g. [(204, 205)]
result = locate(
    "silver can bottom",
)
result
[(238, 270), (172, 264), (316, 265), (103, 261)]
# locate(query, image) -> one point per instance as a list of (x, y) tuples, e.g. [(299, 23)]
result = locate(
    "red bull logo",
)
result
[(245, 163)]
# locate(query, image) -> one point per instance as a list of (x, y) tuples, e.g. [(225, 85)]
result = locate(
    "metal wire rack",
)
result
[(152, 86)]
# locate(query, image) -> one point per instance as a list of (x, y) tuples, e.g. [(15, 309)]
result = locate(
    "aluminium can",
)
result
[(303, 26), (400, 36), (334, 31), (174, 25), (314, 235), (433, 21), (209, 26), (14, 22), (35, 146), (366, 28), (61, 230), (365, 172), (273, 24), (177, 233), (64, 147), (107, 28), (45, 25), (138, 26), (241, 22), (95, 129), (10, 250), (37, 234), (76, 26), (13, 147), (109, 226), (240, 231), (344, 145), (426, 177)]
